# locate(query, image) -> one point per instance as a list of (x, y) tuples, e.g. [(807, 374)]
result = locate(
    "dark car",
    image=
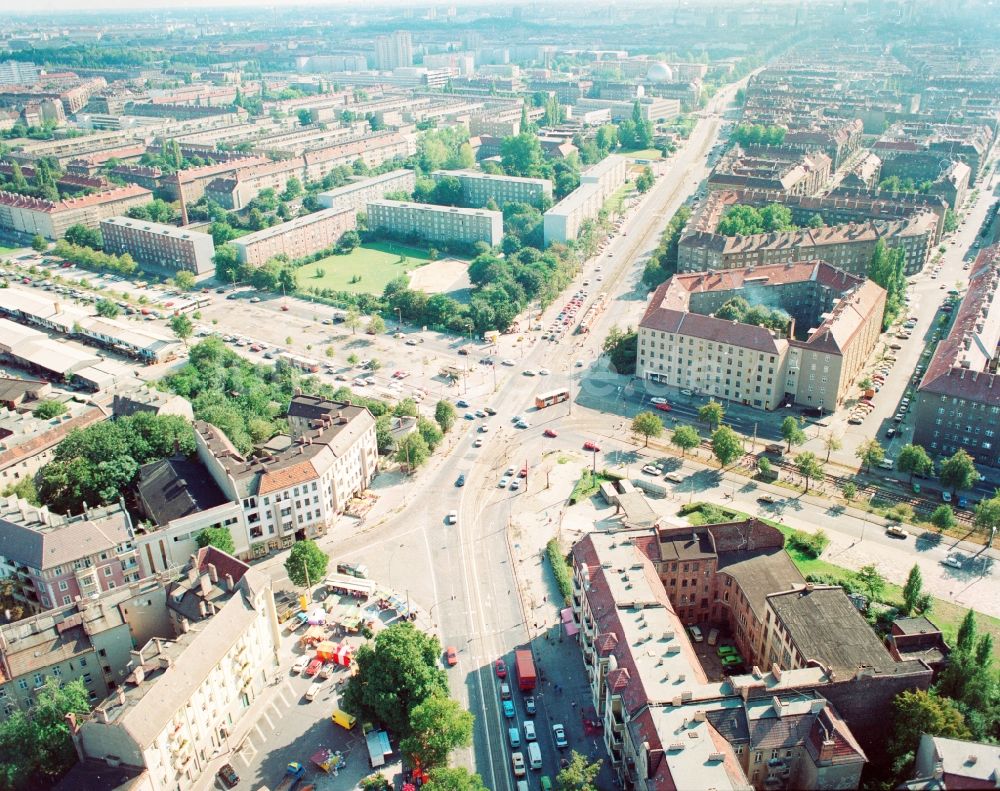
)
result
[(461, 403), (228, 776), (461, 480)]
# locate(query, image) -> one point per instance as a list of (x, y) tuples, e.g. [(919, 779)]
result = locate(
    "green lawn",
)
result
[(375, 263), (5, 250)]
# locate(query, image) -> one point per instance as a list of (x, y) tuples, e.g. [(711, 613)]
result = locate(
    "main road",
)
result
[(462, 574)]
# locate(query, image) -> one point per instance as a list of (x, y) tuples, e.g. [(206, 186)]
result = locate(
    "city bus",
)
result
[(554, 397)]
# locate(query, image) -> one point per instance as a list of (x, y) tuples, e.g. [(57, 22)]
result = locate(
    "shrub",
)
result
[(560, 569), (809, 544)]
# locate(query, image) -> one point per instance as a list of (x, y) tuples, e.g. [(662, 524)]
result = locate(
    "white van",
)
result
[(313, 690), (534, 755)]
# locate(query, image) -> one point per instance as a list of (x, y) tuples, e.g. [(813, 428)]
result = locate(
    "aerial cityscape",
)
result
[(534, 396)]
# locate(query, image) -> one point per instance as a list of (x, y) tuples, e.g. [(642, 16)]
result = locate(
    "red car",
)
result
[(285, 307), (663, 407), (590, 445), (314, 667), (501, 668), (550, 432), (451, 656)]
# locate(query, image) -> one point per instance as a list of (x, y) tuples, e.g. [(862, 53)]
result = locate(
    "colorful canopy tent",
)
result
[(313, 635), (317, 616)]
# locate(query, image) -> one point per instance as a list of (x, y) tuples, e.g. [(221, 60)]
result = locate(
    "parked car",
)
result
[(695, 633), (314, 667), (529, 704), (508, 708), (501, 668), (559, 734), (228, 776), (663, 407), (452, 518), (300, 664), (946, 497), (550, 432), (652, 469), (954, 560), (895, 531), (767, 499), (591, 446)]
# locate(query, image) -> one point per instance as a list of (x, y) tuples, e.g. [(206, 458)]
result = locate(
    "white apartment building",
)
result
[(188, 689), (356, 195), (598, 183), (436, 223), (478, 188), (297, 492)]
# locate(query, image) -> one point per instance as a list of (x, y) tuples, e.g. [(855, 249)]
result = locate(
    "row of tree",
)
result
[(662, 263), (888, 269), (743, 220), (95, 260)]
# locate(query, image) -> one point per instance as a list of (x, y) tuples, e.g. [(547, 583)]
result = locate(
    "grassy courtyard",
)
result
[(367, 269)]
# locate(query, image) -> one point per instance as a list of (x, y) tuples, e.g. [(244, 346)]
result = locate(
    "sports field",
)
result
[(366, 269)]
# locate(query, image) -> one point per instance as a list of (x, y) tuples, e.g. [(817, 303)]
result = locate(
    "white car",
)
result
[(686, 393), (954, 560), (695, 634), (528, 372), (300, 664), (543, 371), (507, 362), (559, 733), (652, 469), (529, 730), (657, 400), (503, 482), (452, 517)]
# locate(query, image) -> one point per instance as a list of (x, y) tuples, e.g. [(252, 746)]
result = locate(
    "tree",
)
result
[(648, 425), (376, 325), (443, 778), (447, 191), (872, 581), (444, 414), (870, 452), (396, 672), (917, 712), (808, 466), (685, 437), (352, 319), (831, 442), (430, 431), (913, 591), (184, 280), (83, 236), (107, 309), (987, 516), (712, 414), (958, 471), (347, 242), (306, 564), (218, 537), (914, 460), (38, 243), (182, 326), (521, 155), (35, 747), (412, 451), (438, 725), (48, 409), (850, 490), (791, 432), (579, 775), (227, 264), (866, 383), (726, 445), (644, 182), (375, 782), (305, 117), (943, 517)]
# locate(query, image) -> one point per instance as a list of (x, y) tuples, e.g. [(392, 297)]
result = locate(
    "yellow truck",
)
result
[(343, 719)]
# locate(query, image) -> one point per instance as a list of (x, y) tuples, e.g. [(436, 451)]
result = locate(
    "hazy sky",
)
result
[(46, 6)]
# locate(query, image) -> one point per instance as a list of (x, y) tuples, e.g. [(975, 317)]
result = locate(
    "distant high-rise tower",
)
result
[(393, 51)]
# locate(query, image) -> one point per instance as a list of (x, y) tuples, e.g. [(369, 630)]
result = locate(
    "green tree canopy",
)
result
[(579, 775), (808, 466), (396, 672), (870, 452), (958, 471), (306, 563), (444, 414), (443, 778), (914, 460), (48, 409), (711, 413), (647, 425), (791, 432), (107, 309), (412, 450), (726, 445), (218, 537), (916, 712), (438, 725), (685, 437), (914, 598)]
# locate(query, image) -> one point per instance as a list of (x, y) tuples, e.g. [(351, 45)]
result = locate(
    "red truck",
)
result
[(525, 665)]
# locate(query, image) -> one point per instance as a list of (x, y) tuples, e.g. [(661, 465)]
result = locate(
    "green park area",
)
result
[(366, 269), (6, 250)]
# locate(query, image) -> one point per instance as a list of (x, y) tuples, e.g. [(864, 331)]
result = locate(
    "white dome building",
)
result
[(660, 72)]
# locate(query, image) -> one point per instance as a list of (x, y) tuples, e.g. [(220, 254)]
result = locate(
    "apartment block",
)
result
[(52, 559), (355, 196), (683, 344), (435, 223), (213, 651), (393, 51), (562, 222), (154, 244), (654, 109), (14, 72), (786, 171), (958, 399), (478, 188), (299, 491), (29, 216), (670, 722), (295, 238)]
